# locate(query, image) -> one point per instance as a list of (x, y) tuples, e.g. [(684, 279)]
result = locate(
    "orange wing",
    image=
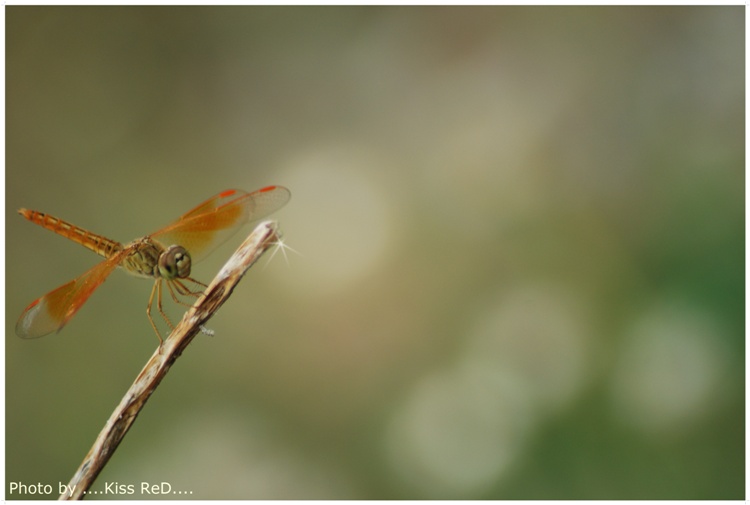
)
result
[(52, 311), (211, 223)]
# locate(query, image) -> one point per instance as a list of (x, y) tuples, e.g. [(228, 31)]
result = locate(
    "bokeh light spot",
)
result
[(669, 369)]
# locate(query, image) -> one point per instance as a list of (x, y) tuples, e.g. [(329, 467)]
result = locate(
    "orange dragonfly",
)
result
[(164, 255)]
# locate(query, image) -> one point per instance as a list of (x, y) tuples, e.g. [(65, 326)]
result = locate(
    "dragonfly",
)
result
[(165, 255)]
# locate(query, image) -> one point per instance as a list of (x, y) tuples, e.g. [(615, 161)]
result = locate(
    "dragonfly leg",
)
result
[(156, 286), (184, 290), (176, 287), (161, 309)]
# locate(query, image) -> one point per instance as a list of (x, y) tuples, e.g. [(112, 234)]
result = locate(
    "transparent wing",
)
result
[(211, 223), (52, 311)]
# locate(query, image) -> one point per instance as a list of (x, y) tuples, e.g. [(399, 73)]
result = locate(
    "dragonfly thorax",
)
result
[(174, 263), (149, 258)]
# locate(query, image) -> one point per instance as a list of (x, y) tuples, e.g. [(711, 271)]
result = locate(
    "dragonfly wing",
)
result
[(211, 223), (52, 311)]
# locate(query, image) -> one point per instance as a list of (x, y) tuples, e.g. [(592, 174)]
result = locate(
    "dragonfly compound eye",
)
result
[(174, 263)]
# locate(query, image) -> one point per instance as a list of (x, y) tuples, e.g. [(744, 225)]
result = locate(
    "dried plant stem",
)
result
[(262, 237)]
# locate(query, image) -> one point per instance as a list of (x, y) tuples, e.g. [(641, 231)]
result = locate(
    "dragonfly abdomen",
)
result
[(100, 245)]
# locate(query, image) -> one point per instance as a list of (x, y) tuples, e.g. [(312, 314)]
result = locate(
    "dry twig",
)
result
[(262, 237)]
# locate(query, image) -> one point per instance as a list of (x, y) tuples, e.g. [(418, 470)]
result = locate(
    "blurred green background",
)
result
[(521, 238)]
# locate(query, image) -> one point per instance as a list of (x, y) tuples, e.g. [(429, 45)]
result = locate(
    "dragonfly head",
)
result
[(174, 263)]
